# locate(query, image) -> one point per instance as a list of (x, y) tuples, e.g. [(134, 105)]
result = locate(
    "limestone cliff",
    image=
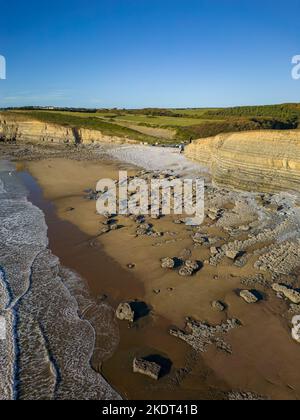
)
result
[(255, 160), (18, 128)]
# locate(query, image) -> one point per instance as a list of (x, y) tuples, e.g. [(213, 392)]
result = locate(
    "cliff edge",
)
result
[(254, 161), (22, 129)]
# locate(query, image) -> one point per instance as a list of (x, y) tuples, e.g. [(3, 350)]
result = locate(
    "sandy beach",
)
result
[(172, 298)]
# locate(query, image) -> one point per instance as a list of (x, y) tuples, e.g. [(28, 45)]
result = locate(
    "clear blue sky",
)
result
[(137, 53)]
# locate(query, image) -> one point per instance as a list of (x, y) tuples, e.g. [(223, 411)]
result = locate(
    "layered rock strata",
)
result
[(33, 131), (253, 161)]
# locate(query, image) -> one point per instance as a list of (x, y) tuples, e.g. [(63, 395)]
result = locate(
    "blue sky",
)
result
[(137, 53)]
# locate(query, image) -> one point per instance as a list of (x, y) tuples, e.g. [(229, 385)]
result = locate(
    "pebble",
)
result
[(218, 306), (248, 296), (168, 263)]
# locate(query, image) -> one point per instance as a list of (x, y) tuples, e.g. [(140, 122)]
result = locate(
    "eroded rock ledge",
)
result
[(48, 346), (265, 161), (20, 129)]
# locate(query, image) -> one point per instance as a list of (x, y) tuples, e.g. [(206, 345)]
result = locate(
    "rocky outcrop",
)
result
[(200, 335), (125, 312), (248, 296), (290, 294), (255, 160), (296, 328), (20, 129), (151, 369)]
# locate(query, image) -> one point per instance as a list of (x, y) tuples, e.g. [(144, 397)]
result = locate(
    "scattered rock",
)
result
[(151, 369), (296, 328), (155, 216), (192, 265), (137, 219), (168, 263), (125, 312), (214, 214), (189, 268), (294, 309), (178, 222), (144, 229), (241, 261), (218, 306), (156, 234), (186, 271), (114, 227), (141, 231), (156, 291), (145, 226), (232, 254), (130, 266), (244, 228), (200, 238), (105, 229), (245, 396), (200, 335), (214, 250), (290, 294), (248, 296), (254, 281), (93, 196), (69, 209)]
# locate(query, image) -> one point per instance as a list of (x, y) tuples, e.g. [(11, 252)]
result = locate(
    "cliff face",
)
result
[(255, 161), (24, 130)]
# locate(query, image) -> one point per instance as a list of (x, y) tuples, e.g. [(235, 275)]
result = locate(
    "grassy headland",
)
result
[(170, 125)]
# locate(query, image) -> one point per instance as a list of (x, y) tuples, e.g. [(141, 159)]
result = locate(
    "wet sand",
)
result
[(253, 366), (107, 280)]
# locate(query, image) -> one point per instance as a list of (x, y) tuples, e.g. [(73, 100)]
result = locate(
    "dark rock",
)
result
[(144, 367)]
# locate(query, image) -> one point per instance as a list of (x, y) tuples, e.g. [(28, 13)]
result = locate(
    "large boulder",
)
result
[(296, 328), (125, 312), (218, 306), (248, 296), (151, 369), (232, 254), (168, 263), (290, 294), (189, 268)]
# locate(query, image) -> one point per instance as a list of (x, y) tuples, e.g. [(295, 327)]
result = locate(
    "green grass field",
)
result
[(157, 121)]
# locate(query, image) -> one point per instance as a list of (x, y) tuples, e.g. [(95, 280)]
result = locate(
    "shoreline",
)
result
[(179, 298), (148, 336), (266, 324), (42, 292)]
